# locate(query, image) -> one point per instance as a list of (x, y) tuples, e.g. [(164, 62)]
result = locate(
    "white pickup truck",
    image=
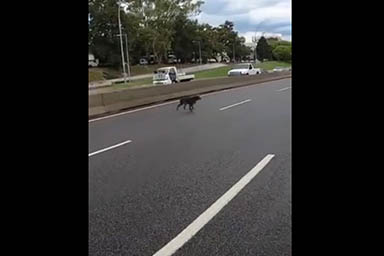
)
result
[(244, 69), (169, 75)]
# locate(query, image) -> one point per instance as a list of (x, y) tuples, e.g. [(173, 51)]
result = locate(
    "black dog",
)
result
[(188, 101)]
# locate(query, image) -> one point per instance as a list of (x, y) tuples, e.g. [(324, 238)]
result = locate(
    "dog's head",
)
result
[(197, 97)]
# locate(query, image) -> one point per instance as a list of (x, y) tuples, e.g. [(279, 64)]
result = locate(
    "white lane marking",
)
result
[(206, 216), (174, 101), (230, 106), (109, 148), (132, 111), (286, 88)]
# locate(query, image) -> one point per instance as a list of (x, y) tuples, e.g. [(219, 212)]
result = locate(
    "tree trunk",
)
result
[(154, 50), (165, 55)]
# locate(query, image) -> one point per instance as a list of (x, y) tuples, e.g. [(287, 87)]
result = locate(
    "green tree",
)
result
[(241, 51), (283, 53), (102, 26), (185, 33), (207, 37), (149, 25), (275, 42), (158, 27), (263, 50), (158, 18)]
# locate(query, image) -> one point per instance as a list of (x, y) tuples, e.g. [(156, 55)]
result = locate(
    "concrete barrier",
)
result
[(111, 102), (95, 100)]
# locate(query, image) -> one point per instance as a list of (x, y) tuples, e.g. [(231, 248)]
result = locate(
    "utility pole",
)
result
[(126, 43), (194, 41), (234, 56), (121, 45), (254, 40)]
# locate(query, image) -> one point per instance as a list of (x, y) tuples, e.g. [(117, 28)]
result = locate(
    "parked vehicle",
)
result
[(153, 59), (244, 69), (170, 75), (143, 61), (172, 59), (212, 60), (225, 60), (92, 61), (195, 60)]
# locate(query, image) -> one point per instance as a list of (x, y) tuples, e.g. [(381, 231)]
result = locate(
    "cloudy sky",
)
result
[(250, 16)]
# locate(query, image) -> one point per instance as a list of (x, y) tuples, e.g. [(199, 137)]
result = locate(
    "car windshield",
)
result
[(160, 75)]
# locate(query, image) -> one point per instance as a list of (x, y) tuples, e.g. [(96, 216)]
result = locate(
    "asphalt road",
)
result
[(143, 193)]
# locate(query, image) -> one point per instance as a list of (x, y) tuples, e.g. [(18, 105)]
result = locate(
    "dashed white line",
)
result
[(283, 89), (230, 106), (206, 216), (109, 148)]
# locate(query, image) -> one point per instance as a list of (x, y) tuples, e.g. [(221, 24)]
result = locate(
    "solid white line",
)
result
[(245, 101), (132, 111), (206, 216), (111, 147), (286, 88)]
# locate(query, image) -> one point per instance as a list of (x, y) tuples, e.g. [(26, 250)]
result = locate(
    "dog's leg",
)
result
[(185, 105), (177, 108)]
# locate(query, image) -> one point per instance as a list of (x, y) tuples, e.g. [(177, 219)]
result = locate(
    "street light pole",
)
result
[(194, 41), (255, 51), (234, 56), (254, 39), (126, 43), (121, 45)]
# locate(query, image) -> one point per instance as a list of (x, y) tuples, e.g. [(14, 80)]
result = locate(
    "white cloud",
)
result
[(246, 5), (288, 38), (250, 34), (281, 12), (273, 16), (238, 6), (216, 20)]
